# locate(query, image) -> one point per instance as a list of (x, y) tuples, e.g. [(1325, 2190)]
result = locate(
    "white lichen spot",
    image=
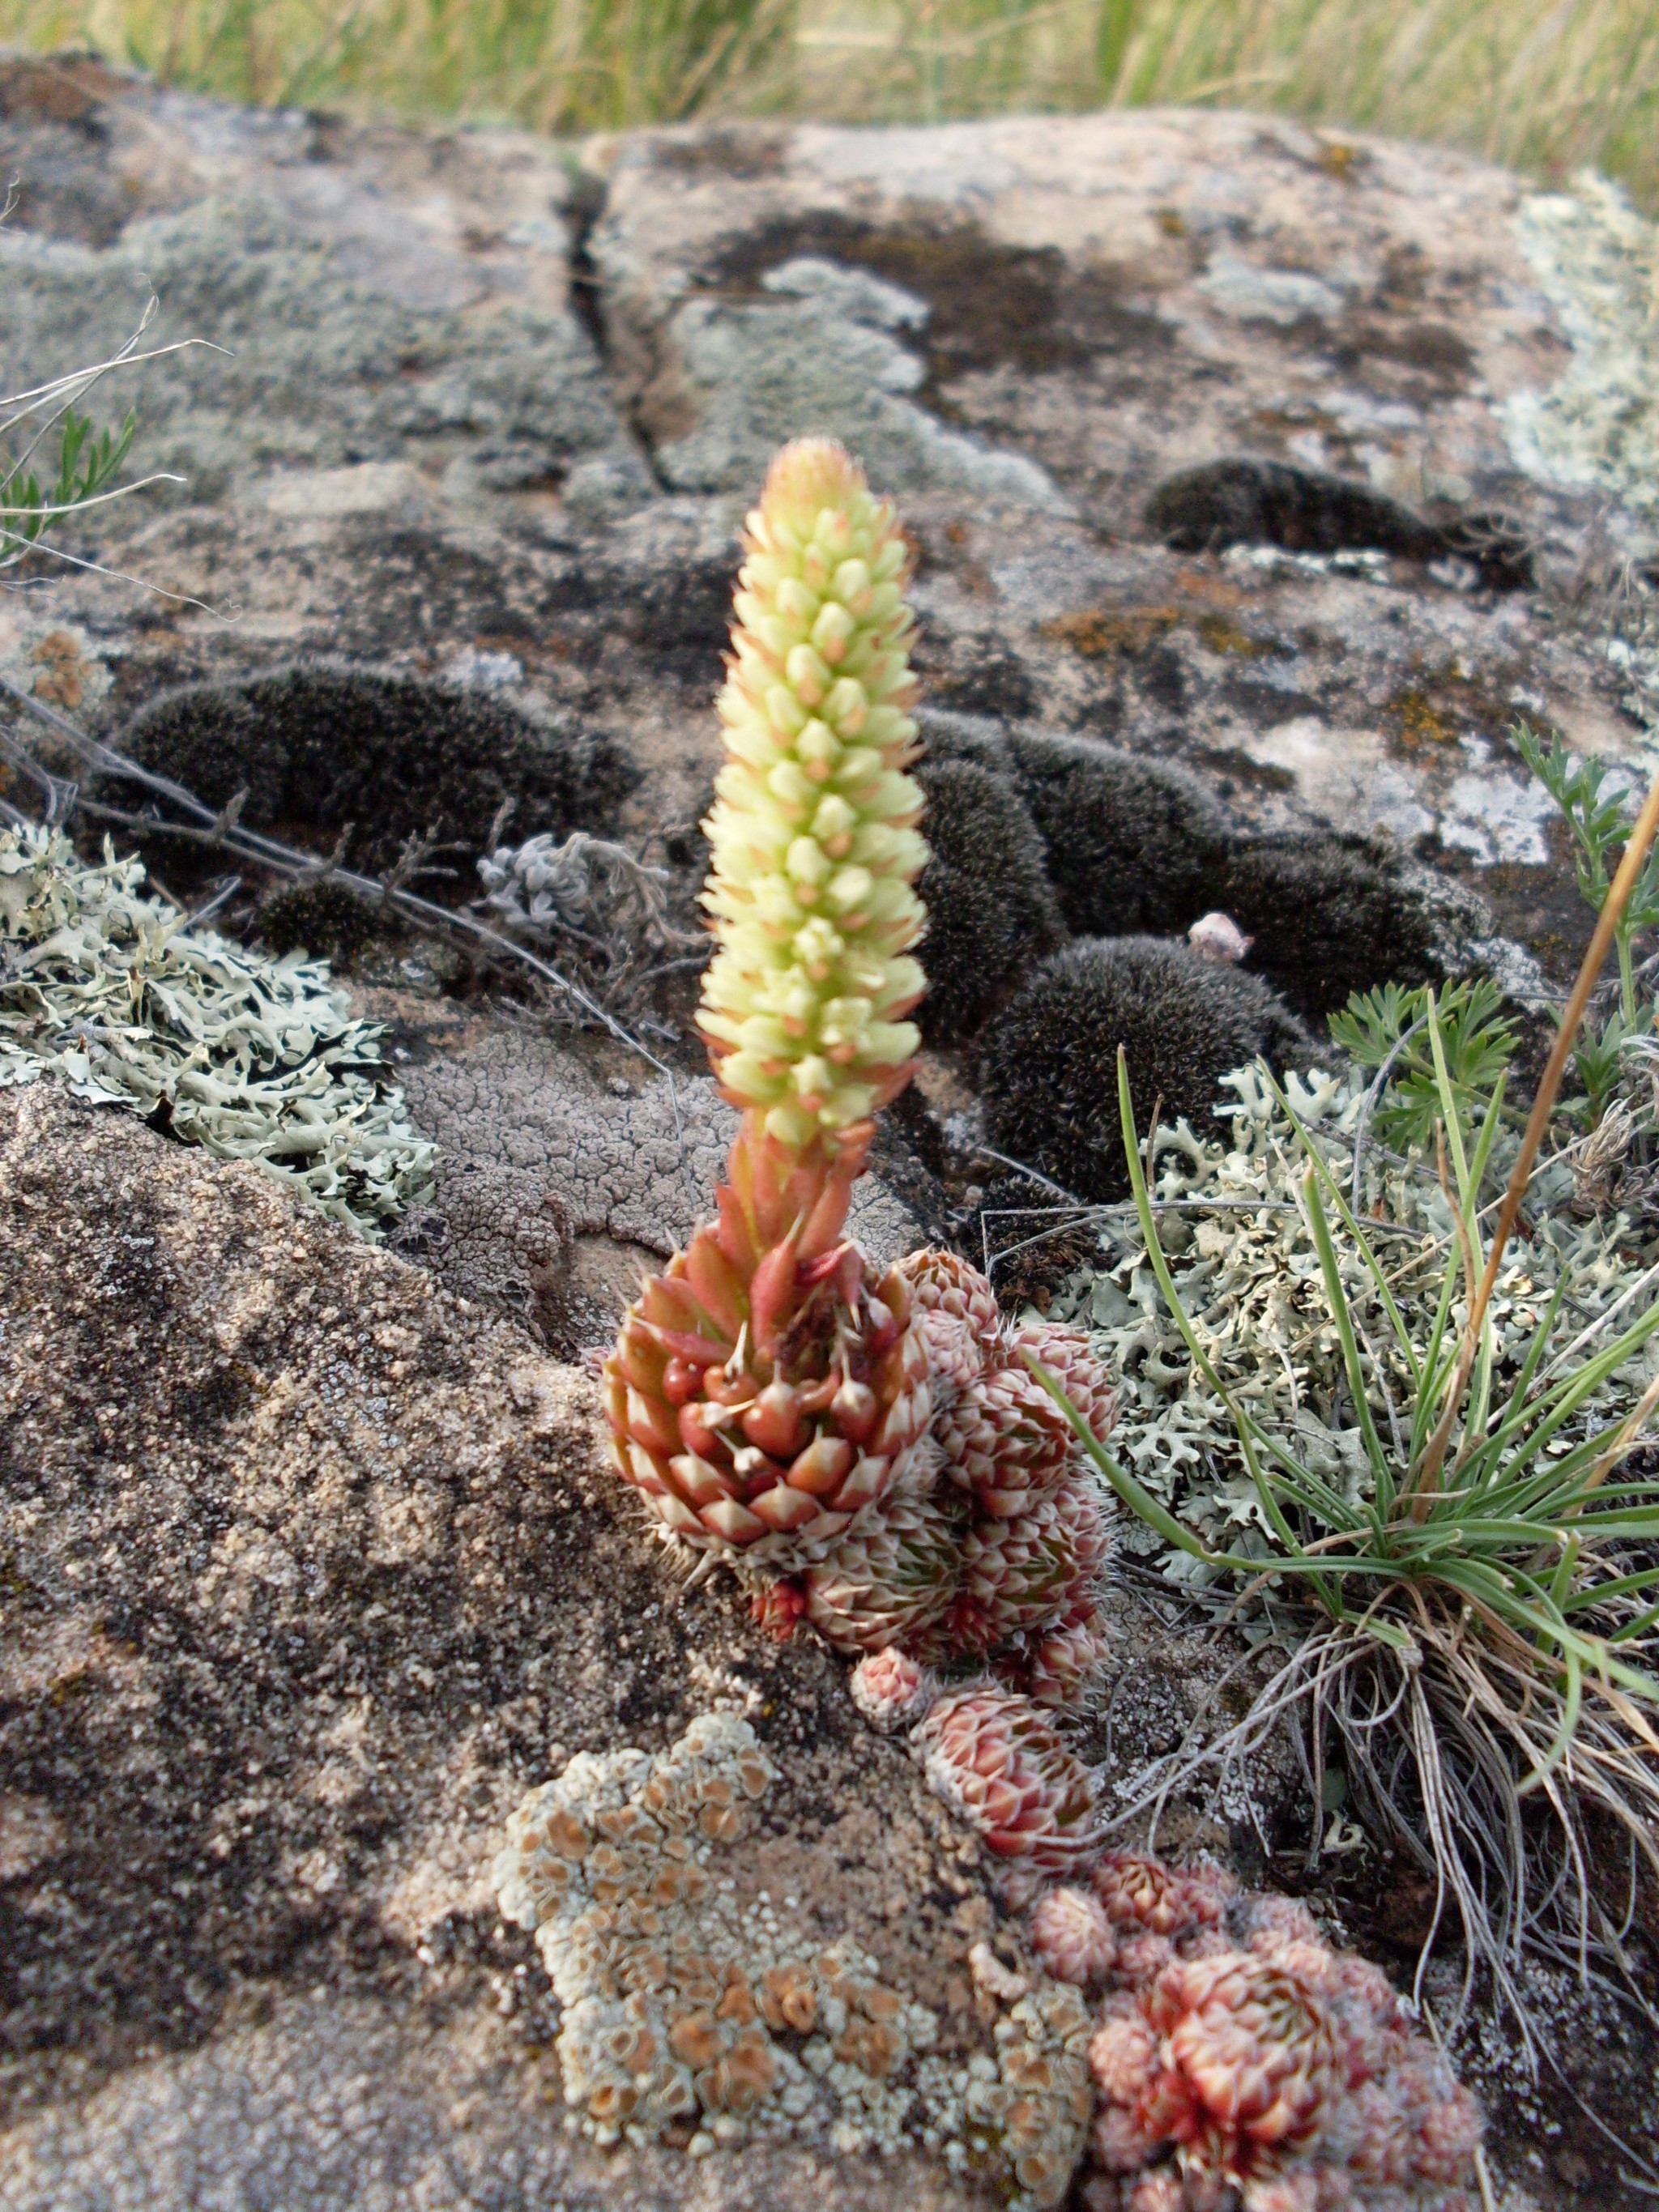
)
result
[(255, 1059)]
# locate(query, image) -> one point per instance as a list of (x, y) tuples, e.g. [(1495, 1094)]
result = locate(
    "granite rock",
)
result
[(311, 1570)]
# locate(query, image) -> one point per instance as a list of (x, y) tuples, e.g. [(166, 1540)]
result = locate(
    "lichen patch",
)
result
[(702, 2009)]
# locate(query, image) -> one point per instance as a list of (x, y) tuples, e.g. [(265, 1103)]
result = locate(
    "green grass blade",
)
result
[(1448, 1097), (1337, 1298), (1373, 1265)]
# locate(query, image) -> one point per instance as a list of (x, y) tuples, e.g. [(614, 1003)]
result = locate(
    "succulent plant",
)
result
[(766, 1386), (996, 1760), (943, 1282), (766, 1389), (1074, 1364), (891, 1690), (888, 1580), (1060, 1667), (1072, 1937), (1225, 2058), (1005, 1549), (813, 827), (1015, 1577), (1249, 2062), (1005, 1440), (1147, 1896)]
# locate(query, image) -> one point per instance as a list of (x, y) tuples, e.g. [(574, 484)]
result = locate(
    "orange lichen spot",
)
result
[(738, 2003), (626, 1824), (565, 1835), (1418, 721), (643, 1970), (749, 2069), (696, 2038), (1099, 633), (874, 2049), (1227, 638), (612, 2103), (788, 1999), (1028, 2069)]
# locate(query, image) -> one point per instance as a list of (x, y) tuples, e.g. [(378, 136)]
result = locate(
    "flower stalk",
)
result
[(766, 1387)]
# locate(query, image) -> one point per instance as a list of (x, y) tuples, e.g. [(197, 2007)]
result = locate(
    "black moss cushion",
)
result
[(991, 913), (322, 743), (1329, 916), (1049, 1068)]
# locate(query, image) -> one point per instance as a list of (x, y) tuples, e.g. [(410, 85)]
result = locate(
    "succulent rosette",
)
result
[(1072, 1937), (1283, 2076), (1228, 2059), (1065, 1352), (766, 1388), (1060, 1667), (1142, 1895), (1005, 1440), (1014, 1577), (891, 1690), (996, 1760), (888, 1580)]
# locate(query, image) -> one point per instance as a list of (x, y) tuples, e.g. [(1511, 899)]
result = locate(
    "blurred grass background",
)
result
[(1547, 85)]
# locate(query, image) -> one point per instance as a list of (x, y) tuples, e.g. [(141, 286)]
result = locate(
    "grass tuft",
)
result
[(1473, 1618), (1548, 88)]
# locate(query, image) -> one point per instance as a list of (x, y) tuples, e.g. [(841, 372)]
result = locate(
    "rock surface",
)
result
[(543, 405), (288, 1631), (312, 1571)]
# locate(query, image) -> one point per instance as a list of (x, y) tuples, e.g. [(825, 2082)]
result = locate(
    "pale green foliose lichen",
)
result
[(698, 2007), (254, 1058), (1244, 1263)]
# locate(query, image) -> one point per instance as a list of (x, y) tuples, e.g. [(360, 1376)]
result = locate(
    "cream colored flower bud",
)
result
[(812, 830)]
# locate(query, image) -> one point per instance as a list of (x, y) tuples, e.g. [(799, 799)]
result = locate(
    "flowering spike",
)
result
[(813, 826), (767, 1389)]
